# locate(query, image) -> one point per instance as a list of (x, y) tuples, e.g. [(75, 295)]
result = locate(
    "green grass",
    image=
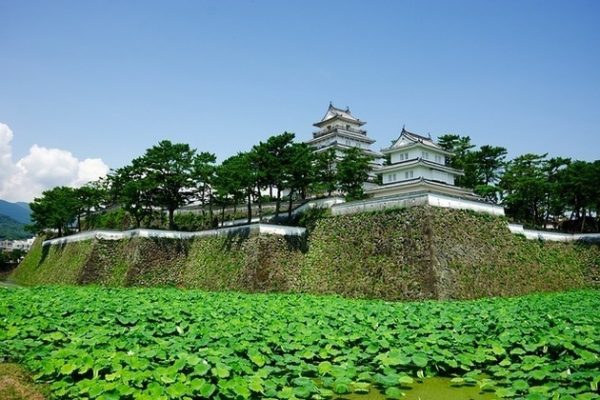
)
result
[(59, 264), (91, 342)]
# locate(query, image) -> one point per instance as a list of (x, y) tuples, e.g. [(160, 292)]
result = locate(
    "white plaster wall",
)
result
[(435, 200), (326, 202), (262, 228), (552, 236), (441, 176), (438, 200), (418, 152), (400, 175), (420, 171), (152, 233), (355, 207), (395, 157)]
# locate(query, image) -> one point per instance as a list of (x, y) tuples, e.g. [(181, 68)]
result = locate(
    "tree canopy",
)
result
[(535, 190)]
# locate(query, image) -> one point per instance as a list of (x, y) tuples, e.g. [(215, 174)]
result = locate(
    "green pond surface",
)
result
[(435, 388)]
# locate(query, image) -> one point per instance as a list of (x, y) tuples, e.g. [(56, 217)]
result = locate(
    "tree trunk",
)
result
[(290, 201), (79, 222), (223, 214), (210, 204), (278, 202), (203, 200), (249, 204), (547, 213), (259, 200), (171, 218)]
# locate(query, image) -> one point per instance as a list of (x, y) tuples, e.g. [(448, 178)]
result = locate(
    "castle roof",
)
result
[(334, 112), (407, 139)]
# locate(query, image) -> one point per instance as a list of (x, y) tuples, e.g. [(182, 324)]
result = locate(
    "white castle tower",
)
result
[(340, 130)]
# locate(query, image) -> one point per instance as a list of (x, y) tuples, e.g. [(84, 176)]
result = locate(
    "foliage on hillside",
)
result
[(428, 252), (60, 264), (11, 229), (255, 263), (476, 256), (416, 253), (376, 255), (171, 344)]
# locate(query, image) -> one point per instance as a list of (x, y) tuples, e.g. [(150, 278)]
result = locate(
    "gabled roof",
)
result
[(407, 138), (415, 136), (334, 112)]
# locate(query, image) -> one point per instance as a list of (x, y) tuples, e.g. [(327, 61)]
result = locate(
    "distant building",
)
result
[(417, 164), (11, 245), (340, 130)]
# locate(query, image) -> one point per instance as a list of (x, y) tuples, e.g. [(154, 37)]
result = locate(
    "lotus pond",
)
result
[(98, 343)]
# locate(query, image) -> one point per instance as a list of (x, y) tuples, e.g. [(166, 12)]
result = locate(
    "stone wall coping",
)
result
[(265, 229), (553, 236)]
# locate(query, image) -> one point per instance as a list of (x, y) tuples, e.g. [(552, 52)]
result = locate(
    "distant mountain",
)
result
[(19, 212), (11, 229), (23, 204)]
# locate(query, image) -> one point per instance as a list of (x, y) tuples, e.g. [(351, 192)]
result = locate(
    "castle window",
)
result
[(408, 175)]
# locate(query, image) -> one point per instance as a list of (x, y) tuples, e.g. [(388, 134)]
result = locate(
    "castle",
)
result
[(416, 164)]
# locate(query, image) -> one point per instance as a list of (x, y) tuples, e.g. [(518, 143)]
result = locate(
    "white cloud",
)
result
[(6, 165), (41, 169)]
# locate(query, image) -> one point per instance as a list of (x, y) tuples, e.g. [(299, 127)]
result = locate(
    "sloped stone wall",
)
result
[(407, 254)]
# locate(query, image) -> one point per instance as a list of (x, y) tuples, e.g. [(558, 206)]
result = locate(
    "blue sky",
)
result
[(108, 79)]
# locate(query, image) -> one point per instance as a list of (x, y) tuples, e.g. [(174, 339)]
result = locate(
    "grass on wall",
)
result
[(415, 253)]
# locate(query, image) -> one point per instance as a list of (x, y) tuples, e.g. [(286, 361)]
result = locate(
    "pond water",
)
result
[(435, 388)]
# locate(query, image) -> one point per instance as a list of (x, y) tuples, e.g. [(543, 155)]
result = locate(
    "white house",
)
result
[(417, 164), (340, 130), (11, 245)]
